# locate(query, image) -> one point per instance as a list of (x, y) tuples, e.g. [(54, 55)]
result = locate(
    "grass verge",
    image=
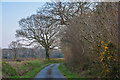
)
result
[(32, 73), (8, 70), (69, 75)]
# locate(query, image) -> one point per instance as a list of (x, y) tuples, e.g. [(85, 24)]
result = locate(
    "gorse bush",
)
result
[(109, 59)]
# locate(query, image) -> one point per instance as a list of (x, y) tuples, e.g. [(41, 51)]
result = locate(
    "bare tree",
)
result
[(41, 30), (14, 45), (63, 12)]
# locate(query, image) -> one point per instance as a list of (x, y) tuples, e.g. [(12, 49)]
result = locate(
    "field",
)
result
[(27, 68)]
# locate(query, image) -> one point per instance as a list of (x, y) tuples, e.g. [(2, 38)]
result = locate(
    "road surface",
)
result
[(50, 72)]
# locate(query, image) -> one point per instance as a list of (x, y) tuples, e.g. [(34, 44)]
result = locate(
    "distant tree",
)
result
[(14, 45), (39, 29)]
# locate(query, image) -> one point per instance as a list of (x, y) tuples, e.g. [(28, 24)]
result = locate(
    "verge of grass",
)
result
[(70, 75), (8, 70), (32, 73), (26, 66)]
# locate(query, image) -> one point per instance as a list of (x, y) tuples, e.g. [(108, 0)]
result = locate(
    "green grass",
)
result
[(70, 75), (26, 69), (8, 70), (32, 73)]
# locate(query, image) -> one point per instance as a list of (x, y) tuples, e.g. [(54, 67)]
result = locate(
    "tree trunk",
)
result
[(47, 53), (15, 55)]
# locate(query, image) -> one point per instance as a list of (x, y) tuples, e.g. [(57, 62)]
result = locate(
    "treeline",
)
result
[(30, 53)]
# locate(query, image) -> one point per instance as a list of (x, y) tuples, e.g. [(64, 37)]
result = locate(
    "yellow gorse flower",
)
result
[(107, 70), (106, 48), (106, 44), (102, 42), (102, 59), (108, 58), (103, 53), (109, 42)]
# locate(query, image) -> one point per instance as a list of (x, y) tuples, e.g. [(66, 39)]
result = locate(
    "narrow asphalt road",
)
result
[(50, 72)]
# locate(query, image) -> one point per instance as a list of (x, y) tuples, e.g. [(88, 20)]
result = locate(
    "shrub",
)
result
[(109, 59)]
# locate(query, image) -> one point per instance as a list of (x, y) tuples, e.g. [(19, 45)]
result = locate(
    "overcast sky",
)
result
[(12, 12)]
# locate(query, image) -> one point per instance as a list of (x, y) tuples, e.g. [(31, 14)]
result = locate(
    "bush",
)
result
[(109, 59)]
